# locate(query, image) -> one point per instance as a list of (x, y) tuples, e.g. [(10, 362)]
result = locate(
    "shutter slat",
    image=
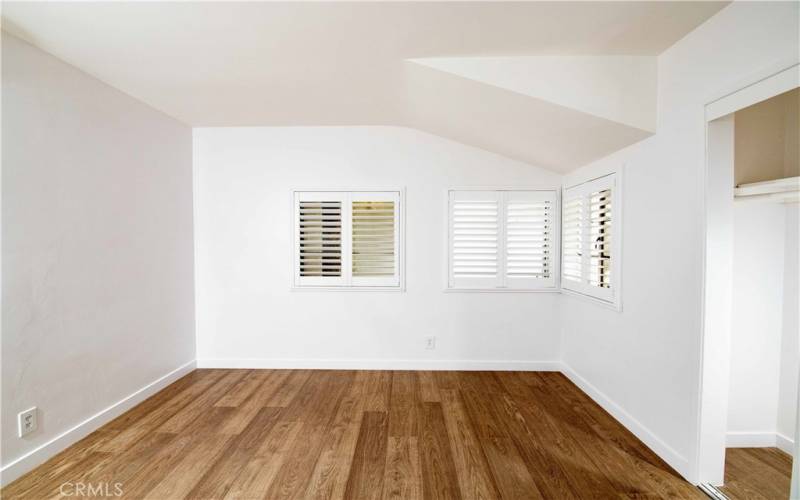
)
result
[(528, 229), (320, 238), (474, 238), (373, 238)]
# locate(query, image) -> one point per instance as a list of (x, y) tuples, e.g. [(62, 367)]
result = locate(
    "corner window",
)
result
[(348, 239)]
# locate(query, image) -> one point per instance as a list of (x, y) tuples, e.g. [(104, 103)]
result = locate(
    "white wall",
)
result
[(790, 344), (757, 323), (97, 248), (645, 361), (246, 314)]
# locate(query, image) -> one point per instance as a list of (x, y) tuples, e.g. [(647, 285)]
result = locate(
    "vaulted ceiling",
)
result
[(555, 84)]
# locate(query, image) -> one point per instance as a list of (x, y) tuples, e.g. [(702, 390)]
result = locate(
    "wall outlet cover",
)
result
[(430, 342), (27, 421)]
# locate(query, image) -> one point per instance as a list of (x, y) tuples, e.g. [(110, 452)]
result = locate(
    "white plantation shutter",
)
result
[(528, 238), (589, 248), (571, 239), (501, 239), (347, 239), (600, 222), (319, 226), (375, 229), (475, 239)]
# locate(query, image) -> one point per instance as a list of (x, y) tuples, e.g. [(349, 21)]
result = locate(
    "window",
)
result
[(590, 265), (347, 239), (501, 239)]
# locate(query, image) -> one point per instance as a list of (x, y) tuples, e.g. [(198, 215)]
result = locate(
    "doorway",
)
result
[(748, 402)]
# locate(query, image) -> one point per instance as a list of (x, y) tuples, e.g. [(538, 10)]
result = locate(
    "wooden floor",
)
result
[(368, 434), (757, 474)]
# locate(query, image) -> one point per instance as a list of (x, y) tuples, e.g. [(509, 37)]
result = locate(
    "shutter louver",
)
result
[(587, 245), (373, 238), (600, 239), (475, 225), (528, 226), (571, 239), (320, 238)]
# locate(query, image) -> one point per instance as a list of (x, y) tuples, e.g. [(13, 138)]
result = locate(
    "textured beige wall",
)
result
[(768, 139)]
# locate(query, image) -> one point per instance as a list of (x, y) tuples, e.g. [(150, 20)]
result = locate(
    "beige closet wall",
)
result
[(768, 139)]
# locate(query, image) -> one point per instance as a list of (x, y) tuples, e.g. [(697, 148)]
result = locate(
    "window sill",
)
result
[(501, 290), (614, 306), (391, 289)]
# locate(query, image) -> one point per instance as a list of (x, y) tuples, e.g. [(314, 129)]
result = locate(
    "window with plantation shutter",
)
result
[(501, 239), (590, 236), (347, 239)]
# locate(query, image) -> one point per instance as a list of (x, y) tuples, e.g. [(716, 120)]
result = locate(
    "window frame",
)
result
[(347, 283), (613, 297), (555, 235)]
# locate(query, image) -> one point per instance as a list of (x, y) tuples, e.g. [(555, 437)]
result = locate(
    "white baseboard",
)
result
[(649, 438), (749, 439), (759, 440), (37, 456), (784, 443), (379, 364)]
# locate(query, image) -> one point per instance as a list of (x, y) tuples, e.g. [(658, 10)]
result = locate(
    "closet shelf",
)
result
[(785, 190)]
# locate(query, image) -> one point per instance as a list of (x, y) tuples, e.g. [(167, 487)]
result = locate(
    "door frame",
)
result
[(717, 260)]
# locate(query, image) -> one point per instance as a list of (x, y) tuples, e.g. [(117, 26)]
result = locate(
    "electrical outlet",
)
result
[(430, 343), (27, 421)]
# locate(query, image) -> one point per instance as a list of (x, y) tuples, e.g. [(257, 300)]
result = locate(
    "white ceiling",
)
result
[(342, 63)]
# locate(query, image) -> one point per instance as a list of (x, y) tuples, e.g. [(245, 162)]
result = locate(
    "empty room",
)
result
[(400, 249)]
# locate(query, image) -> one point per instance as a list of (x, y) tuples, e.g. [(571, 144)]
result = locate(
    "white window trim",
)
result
[(556, 288), (401, 244), (616, 245)]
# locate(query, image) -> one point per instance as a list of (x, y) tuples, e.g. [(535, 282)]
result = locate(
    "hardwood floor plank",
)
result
[(59, 467), (509, 471), (256, 477), (160, 465), (439, 478), (323, 409), (199, 405), (161, 468), (153, 419), (191, 468), (377, 390), (216, 482), (602, 422), (139, 411), (49, 486), (255, 402), (535, 448), (479, 405), (292, 478), (122, 468), (757, 473), (244, 389), (289, 388), (402, 477), (612, 446), (429, 390), (404, 404), (333, 465), (581, 472), (474, 476), (369, 458)]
